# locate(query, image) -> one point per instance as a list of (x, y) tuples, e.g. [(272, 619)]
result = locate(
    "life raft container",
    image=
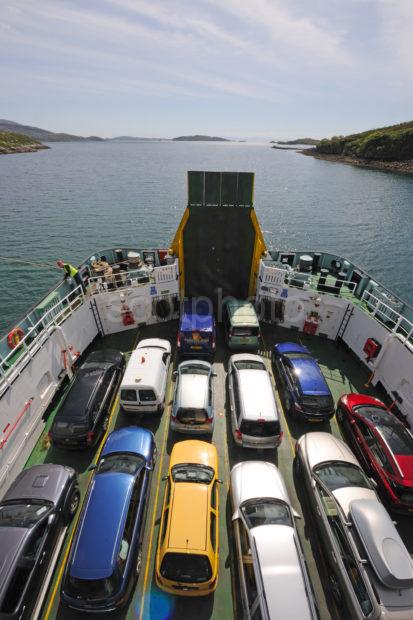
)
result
[(15, 337)]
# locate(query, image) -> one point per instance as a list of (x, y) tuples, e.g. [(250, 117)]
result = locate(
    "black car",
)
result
[(40, 502), (84, 414)]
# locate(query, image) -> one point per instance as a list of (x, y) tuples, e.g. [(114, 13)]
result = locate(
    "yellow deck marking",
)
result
[(155, 508), (63, 564)]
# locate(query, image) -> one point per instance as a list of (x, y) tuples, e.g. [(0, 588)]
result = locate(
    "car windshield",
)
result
[(245, 331), (266, 512), (249, 365), (337, 475), (392, 431), (191, 472), (298, 355), (122, 463), (22, 514), (192, 416), (194, 369), (186, 568)]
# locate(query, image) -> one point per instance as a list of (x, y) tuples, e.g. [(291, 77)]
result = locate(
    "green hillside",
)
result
[(394, 143), (11, 142)]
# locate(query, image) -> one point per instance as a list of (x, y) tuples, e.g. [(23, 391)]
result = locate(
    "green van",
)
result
[(242, 328)]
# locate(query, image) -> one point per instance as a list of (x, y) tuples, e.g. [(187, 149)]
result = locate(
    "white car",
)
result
[(370, 569), (271, 566)]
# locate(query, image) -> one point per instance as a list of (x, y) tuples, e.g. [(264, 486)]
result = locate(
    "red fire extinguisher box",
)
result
[(310, 327), (371, 348)]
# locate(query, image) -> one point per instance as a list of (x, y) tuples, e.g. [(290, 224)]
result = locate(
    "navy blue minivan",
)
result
[(106, 554), (196, 335), (302, 386)]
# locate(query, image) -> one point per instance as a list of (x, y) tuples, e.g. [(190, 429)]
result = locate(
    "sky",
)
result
[(234, 68)]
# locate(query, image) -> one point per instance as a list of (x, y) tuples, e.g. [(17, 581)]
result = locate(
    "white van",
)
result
[(144, 382)]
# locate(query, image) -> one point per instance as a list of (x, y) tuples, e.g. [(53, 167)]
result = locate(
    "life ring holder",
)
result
[(15, 337)]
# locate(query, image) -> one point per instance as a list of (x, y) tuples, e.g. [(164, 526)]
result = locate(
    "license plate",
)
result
[(196, 347), (314, 419)]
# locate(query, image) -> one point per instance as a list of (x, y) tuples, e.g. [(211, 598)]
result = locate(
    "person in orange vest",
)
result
[(71, 272)]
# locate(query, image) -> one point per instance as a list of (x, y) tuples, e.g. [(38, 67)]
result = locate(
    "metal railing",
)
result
[(387, 315), (132, 277), (37, 335)]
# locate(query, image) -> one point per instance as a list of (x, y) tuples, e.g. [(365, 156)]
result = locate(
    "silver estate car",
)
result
[(255, 419), (371, 570), (193, 404), (273, 576)]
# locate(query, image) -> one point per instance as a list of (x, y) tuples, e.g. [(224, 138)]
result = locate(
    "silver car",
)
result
[(370, 568), (255, 419), (273, 575), (193, 404)]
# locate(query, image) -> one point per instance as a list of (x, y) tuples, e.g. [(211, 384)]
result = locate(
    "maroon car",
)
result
[(382, 444)]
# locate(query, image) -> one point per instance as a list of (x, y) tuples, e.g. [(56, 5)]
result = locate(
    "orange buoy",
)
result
[(15, 337)]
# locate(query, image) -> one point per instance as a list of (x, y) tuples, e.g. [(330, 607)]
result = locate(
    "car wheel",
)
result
[(139, 562), (336, 590), (72, 504)]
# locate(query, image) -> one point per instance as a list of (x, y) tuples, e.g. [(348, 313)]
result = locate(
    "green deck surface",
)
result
[(343, 372)]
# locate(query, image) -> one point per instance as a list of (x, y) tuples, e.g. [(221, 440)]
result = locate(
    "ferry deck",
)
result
[(344, 373)]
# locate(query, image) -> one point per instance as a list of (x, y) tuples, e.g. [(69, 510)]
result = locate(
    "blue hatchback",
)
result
[(106, 553), (303, 388), (196, 335)]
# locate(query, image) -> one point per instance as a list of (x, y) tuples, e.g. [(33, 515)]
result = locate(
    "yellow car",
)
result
[(187, 555)]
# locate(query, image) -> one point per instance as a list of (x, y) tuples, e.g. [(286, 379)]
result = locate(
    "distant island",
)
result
[(387, 148), (42, 134), (309, 141), (198, 138), (11, 142)]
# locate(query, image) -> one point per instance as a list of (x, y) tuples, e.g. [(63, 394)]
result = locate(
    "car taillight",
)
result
[(173, 418), (238, 433), (178, 340), (213, 342), (210, 420), (89, 436), (280, 437)]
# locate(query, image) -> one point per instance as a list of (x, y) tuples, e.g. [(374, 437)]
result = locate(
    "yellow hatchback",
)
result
[(187, 555)]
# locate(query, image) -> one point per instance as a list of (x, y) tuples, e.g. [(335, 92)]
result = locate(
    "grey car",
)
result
[(39, 503), (273, 576), (371, 571), (193, 404)]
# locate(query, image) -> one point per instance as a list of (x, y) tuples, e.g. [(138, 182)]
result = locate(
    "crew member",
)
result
[(71, 272)]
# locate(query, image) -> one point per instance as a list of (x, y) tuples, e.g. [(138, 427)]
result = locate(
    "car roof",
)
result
[(130, 439), (192, 391), (189, 516), (257, 394), (81, 392), (242, 312), (345, 495), (145, 369), (12, 540), (154, 343), (291, 347), (43, 482), (309, 376), (255, 480), (194, 451), (385, 549), (281, 570), (323, 447), (102, 523), (355, 400)]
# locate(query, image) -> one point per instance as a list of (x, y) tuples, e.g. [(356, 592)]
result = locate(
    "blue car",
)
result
[(302, 386), (196, 335), (106, 553)]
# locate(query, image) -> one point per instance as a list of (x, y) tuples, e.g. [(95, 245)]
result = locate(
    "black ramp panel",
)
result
[(218, 251)]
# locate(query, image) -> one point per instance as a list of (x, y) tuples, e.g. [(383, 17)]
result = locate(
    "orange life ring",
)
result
[(14, 338)]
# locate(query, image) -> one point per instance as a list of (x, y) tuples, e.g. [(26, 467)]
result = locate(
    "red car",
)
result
[(382, 444)]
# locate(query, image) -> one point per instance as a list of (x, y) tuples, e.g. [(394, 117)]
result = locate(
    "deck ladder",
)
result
[(345, 321), (96, 315)]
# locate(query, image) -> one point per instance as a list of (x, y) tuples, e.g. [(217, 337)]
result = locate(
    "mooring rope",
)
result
[(26, 262)]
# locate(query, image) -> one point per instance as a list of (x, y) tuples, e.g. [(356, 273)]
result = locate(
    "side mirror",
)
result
[(296, 514), (92, 467), (214, 374), (373, 482), (51, 519), (164, 478), (220, 481)]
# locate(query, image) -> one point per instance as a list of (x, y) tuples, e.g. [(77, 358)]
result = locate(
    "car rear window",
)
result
[(256, 428), (266, 512), (128, 395), (69, 428), (123, 463), (393, 432), (192, 416), (147, 396), (197, 337), (249, 365), (337, 475), (321, 402), (245, 331), (186, 568), (192, 472), (194, 369), (91, 589)]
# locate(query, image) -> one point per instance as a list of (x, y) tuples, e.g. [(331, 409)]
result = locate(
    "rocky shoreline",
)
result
[(403, 167), (21, 148)]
